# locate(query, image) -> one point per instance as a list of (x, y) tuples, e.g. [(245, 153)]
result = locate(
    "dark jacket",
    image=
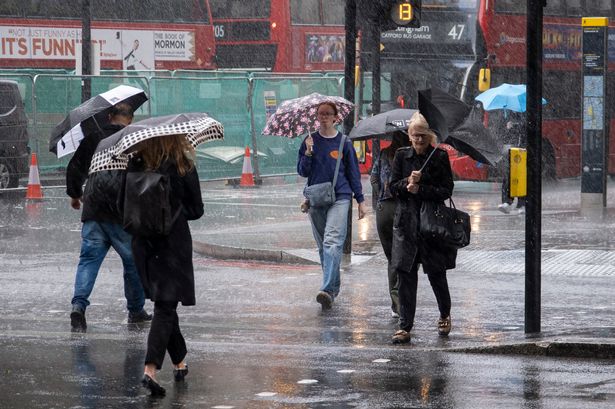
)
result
[(100, 197), (436, 184), (165, 263)]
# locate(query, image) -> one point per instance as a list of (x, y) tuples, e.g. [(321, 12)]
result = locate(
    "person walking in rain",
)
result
[(317, 162), (515, 135), (385, 209), (102, 221), (165, 262), (411, 186)]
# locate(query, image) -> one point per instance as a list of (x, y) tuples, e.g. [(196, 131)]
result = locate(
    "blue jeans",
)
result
[(96, 238), (329, 225)]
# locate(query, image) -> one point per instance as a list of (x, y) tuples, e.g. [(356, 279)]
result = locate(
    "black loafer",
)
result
[(180, 374), (153, 386)]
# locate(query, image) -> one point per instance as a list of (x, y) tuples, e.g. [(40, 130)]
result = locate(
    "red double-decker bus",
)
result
[(131, 34), (295, 36), (502, 31), (458, 38)]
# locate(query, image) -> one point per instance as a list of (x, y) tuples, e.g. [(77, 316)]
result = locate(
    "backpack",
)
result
[(147, 204)]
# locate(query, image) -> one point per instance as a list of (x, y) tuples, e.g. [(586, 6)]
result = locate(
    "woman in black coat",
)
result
[(412, 186), (165, 262)]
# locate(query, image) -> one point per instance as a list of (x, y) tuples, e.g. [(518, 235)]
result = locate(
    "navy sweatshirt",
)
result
[(320, 167)]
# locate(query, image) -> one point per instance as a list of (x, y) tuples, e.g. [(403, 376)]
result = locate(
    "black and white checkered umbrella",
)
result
[(113, 151), (67, 135)]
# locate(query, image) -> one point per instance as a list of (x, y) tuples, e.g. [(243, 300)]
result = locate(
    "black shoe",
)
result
[(77, 319), (138, 317), (180, 374), (153, 386), (324, 299)]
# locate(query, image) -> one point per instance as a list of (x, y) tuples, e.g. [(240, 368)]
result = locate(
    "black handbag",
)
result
[(444, 224)]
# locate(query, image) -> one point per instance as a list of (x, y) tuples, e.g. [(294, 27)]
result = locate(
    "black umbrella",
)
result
[(381, 125), (112, 152), (67, 135), (458, 125)]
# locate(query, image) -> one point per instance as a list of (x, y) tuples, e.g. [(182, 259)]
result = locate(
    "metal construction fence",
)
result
[(239, 100)]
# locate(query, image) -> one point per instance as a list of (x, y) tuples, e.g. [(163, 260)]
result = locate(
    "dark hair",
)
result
[(331, 104), (400, 139), (123, 109)]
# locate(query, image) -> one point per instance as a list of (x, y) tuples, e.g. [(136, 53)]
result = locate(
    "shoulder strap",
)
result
[(339, 157)]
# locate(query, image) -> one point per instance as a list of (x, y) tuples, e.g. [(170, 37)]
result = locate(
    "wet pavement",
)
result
[(257, 339)]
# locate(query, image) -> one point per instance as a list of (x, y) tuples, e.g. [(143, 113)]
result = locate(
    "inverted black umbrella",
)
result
[(67, 135), (112, 152), (381, 125), (458, 125)]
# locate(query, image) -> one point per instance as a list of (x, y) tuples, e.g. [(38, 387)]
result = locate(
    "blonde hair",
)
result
[(156, 150), (419, 124)]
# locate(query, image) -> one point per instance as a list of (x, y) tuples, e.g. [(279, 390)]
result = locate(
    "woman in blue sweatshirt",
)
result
[(317, 159)]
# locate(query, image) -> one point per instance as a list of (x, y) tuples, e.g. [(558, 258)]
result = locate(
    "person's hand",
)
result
[(415, 176), (413, 187), (75, 203), (309, 145), (362, 210)]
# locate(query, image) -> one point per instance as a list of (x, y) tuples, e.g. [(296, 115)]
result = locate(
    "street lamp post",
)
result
[(533, 227), (86, 37)]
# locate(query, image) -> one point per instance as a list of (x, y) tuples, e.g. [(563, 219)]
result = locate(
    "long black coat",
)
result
[(165, 263), (437, 185)]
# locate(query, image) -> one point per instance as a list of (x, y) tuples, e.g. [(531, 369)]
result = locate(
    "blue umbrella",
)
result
[(505, 96)]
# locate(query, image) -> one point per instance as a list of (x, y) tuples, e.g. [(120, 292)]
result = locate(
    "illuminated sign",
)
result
[(406, 13)]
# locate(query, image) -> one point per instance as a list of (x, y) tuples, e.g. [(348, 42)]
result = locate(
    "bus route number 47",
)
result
[(456, 31)]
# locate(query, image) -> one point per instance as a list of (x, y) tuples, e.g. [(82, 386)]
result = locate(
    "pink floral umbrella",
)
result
[(298, 116)]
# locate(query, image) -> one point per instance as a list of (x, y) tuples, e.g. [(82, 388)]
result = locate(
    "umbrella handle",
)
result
[(429, 157)]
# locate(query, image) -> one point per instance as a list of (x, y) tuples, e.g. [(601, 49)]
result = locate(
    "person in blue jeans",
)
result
[(317, 161), (102, 222)]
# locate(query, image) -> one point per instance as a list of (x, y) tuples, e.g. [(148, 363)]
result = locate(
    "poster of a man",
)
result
[(137, 50)]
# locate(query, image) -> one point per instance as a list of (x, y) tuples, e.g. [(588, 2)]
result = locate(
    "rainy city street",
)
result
[(258, 339)]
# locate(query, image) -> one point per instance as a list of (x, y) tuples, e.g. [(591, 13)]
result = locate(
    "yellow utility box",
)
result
[(518, 172)]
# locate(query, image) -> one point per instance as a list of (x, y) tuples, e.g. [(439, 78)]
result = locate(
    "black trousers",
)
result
[(385, 214), (408, 281), (165, 335)]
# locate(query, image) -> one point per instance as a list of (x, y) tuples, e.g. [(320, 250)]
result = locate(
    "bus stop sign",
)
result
[(594, 145)]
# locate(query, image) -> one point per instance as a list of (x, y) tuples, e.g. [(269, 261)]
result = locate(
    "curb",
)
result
[(555, 349), (227, 252)]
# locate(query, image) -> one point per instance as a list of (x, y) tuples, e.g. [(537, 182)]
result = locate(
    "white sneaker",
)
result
[(521, 210), (504, 208)]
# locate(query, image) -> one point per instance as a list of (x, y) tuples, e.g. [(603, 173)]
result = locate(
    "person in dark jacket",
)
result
[(515, 135), (385, 209), (165, 262), (317, 161), (420, 173), (102, 222)]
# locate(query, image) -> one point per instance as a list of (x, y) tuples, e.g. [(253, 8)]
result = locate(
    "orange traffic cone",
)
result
[(34, 182), (247, 178)]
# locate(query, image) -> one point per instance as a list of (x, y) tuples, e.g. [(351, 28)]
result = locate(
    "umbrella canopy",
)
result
[(458, 125), (112, 152), (67, 135), (381, 125), (295, 117), (505, 96)]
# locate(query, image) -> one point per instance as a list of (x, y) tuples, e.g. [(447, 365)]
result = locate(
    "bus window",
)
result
[(573, 8), (554, 8), (234, 9), (510, 6), (305, 11), (598, 8), (54, 9), (333, 12), (11, 8)]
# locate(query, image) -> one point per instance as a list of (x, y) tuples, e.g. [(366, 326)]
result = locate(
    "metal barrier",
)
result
[(241, 101)]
